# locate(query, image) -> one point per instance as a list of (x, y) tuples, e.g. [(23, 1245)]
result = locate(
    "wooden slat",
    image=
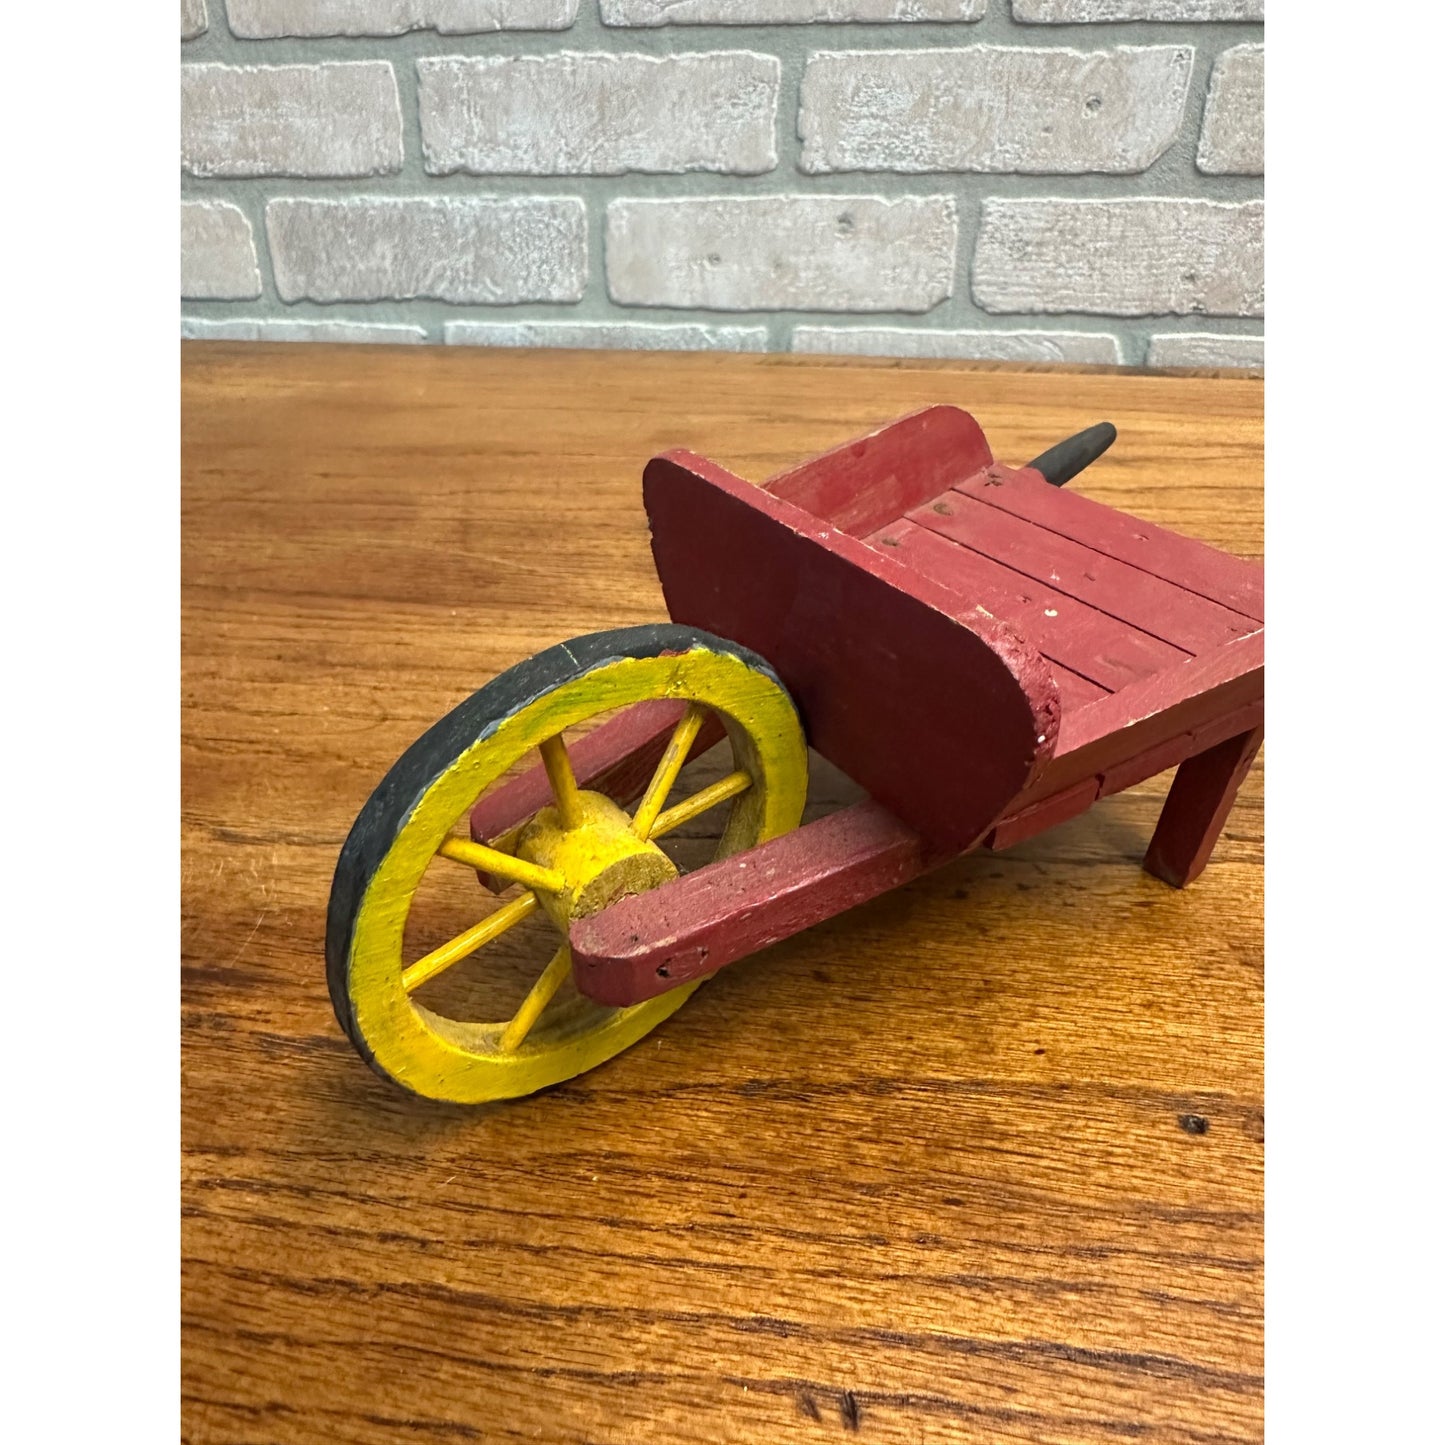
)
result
[(1228, 580), (1146, 764), (1146, 602), (1192, 698), (1229, 725), (1074, 691), (1205, 687), (1170, 754), (1109, 653), (1045, 814), (1058, 807)]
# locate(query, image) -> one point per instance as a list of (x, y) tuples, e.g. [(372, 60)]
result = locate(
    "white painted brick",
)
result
[(338, 119), (784, 12), (198, 328), (194, 20), (760, 253), (218, 253), (1122, 258), (608, 335), (1197, 348), (1073, 12), (1232, 140), (599, 115), (453, 248), (992, 108), (1081, 346), (263, 19)]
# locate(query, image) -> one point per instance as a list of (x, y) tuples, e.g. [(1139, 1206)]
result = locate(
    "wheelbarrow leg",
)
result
[(1199, 801)]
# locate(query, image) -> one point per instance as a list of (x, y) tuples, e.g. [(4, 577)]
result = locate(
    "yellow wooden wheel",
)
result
[(574, 856)]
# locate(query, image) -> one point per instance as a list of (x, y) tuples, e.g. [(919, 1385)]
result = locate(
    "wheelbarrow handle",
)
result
[(1066, 459)]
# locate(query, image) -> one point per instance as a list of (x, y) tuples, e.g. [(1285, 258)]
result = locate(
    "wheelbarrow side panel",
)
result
[(943, 714)]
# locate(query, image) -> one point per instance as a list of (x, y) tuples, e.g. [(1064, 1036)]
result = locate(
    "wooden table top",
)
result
[(817, 1202)]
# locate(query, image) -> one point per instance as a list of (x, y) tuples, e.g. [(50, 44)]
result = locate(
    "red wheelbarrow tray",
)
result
[(985, 653)]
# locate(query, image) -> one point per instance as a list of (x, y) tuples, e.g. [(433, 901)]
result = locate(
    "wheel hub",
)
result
[(601, 858)]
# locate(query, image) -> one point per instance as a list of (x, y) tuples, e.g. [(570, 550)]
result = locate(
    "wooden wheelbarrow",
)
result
[(983, 652)]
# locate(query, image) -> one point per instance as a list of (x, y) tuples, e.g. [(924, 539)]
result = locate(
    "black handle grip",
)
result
[(1065, 460)]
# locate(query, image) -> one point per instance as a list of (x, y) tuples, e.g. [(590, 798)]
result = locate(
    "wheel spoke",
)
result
[(563, 781), (466, 944), (699, 803), (553, 976), (502, 865), (668, 767)]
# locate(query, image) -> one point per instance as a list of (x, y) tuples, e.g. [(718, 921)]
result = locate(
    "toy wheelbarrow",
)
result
[(982, 652)]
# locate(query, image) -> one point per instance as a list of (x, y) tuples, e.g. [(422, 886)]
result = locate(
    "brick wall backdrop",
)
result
[(1012, 179)]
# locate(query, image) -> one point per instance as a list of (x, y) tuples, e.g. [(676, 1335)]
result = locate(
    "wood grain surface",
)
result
[(981, 1160)]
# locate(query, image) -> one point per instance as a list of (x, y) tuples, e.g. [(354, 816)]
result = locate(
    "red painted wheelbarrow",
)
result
[(983, 652)]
